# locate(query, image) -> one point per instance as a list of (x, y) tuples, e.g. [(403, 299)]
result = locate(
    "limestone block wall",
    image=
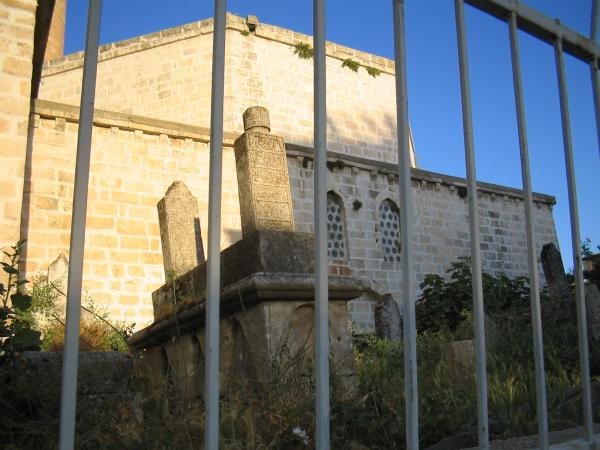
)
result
[(56, 37), (135, 159), (167, 75), (17, 21), (132, 165), (441, 223), (164, 75), (264, 70)]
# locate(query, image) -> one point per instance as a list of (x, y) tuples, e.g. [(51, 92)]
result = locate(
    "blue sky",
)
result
[(434, 95)]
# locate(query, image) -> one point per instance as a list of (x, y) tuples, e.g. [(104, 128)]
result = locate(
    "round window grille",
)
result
[(336, 249), (389, 225)]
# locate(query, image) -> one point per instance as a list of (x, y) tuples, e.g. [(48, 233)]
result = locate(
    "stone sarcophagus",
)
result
[(267, 312), (267, 281)]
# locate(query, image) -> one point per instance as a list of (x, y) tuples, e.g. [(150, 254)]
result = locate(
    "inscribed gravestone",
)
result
[(554, 271), (262, 174), (388, 319), (180, 234)]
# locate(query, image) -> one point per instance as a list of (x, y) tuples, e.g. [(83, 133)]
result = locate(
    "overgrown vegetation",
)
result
[(17, 333), (373, 71), (351, 64), (278, 412), (587, 248), (98, 332), (303, 50)]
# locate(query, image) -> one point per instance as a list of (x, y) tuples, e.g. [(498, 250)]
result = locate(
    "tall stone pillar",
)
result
[(262, 174), (179, 231), (56, 37)]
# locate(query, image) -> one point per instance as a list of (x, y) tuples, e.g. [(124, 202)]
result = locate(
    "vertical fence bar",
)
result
[(479, 325), (321, 261), (408, 286), (575, 241), (594, 67), (534, 285), (213, 268), (594, 21), (68, 401)]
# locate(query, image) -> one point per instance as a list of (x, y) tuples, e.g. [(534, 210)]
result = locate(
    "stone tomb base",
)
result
[(267, 315)]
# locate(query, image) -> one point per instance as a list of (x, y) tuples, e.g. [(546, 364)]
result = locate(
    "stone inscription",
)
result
[(264, 187)]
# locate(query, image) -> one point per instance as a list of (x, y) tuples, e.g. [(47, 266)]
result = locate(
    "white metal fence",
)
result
[(518, 17)]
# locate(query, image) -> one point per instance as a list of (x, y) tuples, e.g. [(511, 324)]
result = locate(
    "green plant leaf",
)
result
[(21, 301), (26, 339), (9, 269), (351, 64), (24, 316)]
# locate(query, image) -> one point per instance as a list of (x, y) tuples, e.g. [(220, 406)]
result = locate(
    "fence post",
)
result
[(534, 283), (482, 401), (594, 67), (68, 401), (213, 267), (408, 280), (322, 411), (575, 241)]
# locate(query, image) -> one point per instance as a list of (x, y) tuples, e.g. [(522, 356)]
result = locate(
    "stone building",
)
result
[(150, 129)]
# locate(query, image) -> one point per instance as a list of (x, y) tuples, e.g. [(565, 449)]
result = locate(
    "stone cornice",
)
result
[(203, 27), (130, 122)]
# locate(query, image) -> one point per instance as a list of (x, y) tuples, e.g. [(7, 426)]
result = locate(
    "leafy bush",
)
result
[(303, 50), (16, 331), (444, 303), (373, 71), (98, 331), (351, 64), (279, 412)]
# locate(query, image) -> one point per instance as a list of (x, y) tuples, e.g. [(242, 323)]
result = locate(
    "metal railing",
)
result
[(518, 17)]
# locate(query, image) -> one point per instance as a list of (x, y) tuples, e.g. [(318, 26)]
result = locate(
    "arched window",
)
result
[(389, 225), (336, 235)]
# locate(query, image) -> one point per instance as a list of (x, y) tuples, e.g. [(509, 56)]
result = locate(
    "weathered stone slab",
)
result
[(58, 270), (388, 319), (554, 271), (180, 233), (280, 259), (592, 304), (262, 174), (253, 341)]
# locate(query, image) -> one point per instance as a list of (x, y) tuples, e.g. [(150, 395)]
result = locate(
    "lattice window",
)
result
[(336, 238), (389, 225)]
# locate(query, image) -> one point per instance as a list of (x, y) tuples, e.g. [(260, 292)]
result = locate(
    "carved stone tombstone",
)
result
[(554, 271), (58, 271), (179, 231), (262, 174), (388, 319)]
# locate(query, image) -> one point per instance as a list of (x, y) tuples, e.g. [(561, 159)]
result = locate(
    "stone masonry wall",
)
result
[(132, 166), (167, 75), (441, 223), (17, 21), (135, 159)]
